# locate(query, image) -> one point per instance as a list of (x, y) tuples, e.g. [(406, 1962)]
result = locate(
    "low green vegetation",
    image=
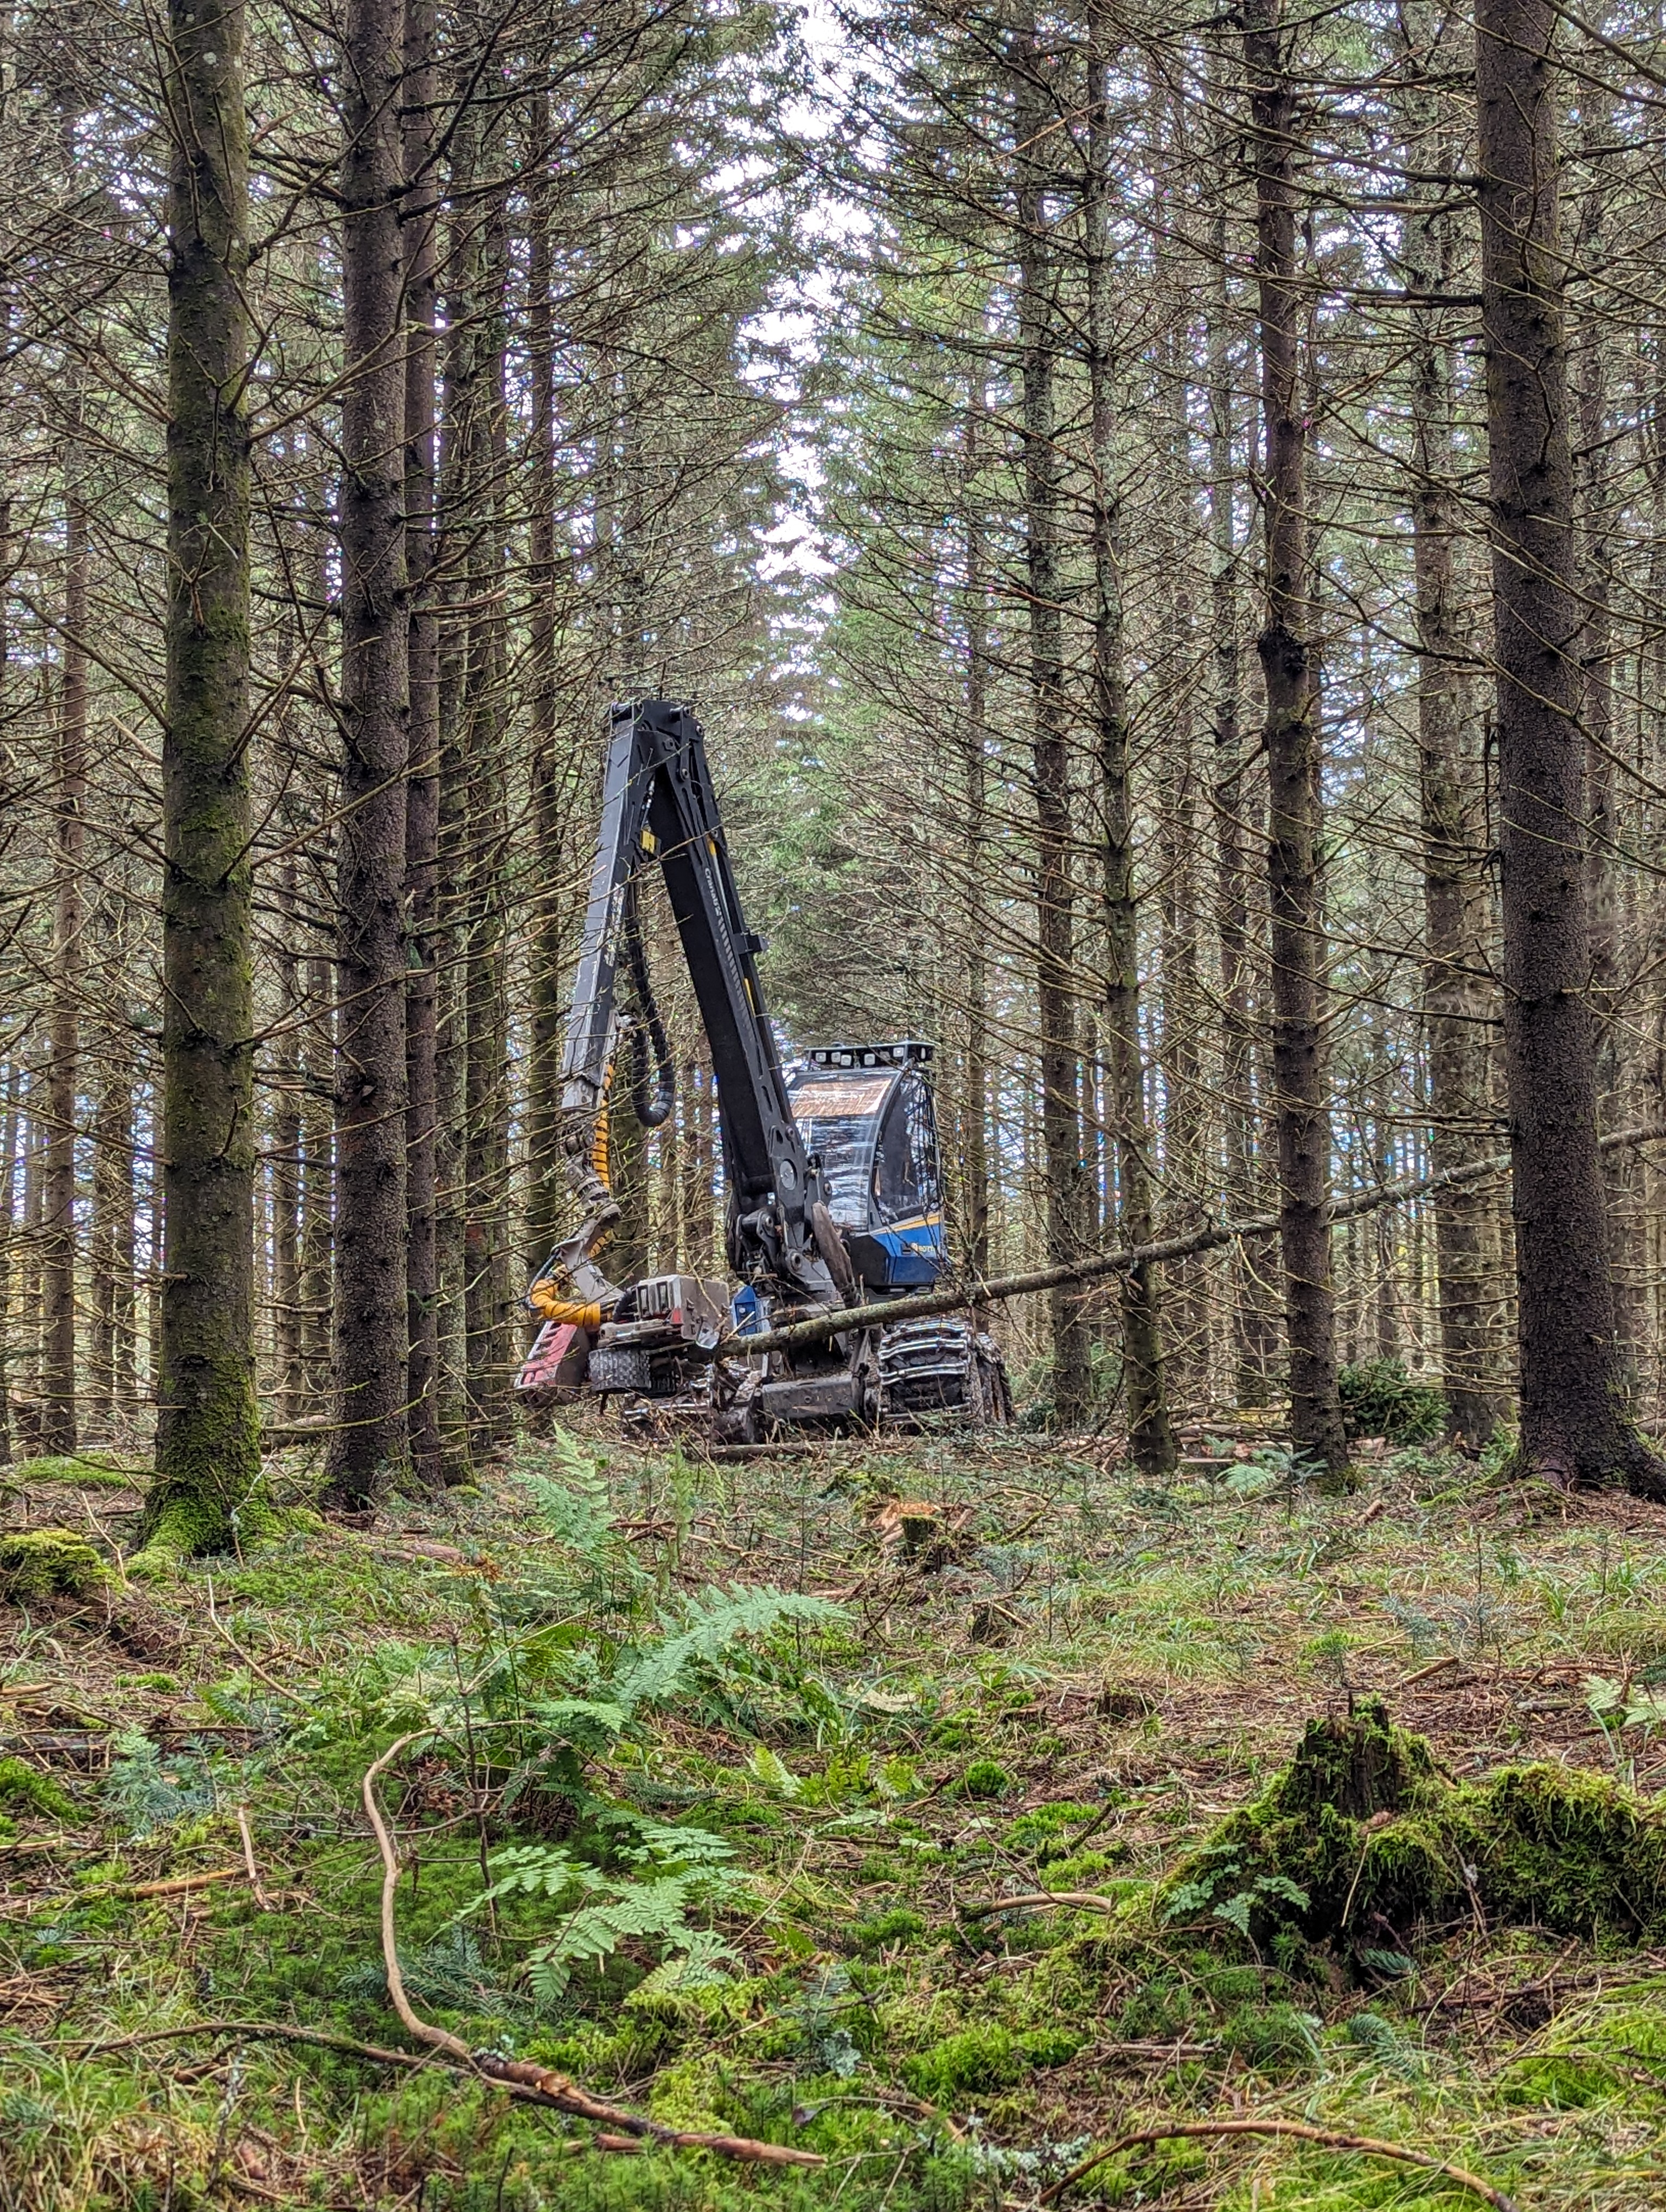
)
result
[(710, 1797)]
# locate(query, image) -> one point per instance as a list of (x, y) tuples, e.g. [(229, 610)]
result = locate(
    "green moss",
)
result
[(23, 1790), (984, 1778), (1047, 1830), (84, 1473), (899, 1925), (985, 2057), (1274, 2038), (42, 1562), (1161, 2012)]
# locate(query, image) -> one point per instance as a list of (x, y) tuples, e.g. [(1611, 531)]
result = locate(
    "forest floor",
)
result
[(751, 1843)]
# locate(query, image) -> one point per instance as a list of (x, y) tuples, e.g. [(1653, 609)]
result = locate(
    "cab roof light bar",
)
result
[(907, 1052)]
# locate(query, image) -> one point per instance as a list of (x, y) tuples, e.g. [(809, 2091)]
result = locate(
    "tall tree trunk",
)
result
[(1595, 554), (975, 1088), (552, 902), (58, 1225), (1251, 1350), (1574, 1428), (11, 1130), (208, 1436), (421, 214), (1292, 750), (1054, 884), (111, 1363), (318, 1181), (1454, 995), (286, 1178), (372, 1445), (486, 1096), (1151, 1431), (1183, 1127), (458, 472)]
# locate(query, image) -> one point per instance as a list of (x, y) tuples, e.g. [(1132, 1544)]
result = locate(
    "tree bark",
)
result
[(111, 1363), (1293, 757), (458, 489), (550, 770), (486, 1095), (286, 1168), (1150, 1431), (1055, 886), (11, 1130), (422, 213), (1574, 1428), (371, 1447), (975, 743), (207, 1442), (1596, 552), (1252, 1349), (58, 1423), (1455, 993)]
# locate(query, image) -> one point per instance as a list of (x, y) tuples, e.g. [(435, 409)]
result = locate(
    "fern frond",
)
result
[(773, 1773), (576, 1510), (538, 1870), (703, 1965), (590, 1723), (662, 1843), (710, 1629)]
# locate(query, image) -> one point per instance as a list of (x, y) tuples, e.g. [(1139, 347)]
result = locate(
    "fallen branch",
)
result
[(1099, 1265), (248, 1858), (177, 1885), (1081, 1900), (537, 2084), (1368, 2146)]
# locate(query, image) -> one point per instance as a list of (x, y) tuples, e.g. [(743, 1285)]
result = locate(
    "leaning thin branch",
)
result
[(1097, 1265)]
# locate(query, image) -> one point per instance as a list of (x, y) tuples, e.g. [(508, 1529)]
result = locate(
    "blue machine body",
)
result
[(865, 1114)]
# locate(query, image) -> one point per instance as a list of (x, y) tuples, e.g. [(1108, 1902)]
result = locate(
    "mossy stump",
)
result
[(40, 1564), (1362, 1842)]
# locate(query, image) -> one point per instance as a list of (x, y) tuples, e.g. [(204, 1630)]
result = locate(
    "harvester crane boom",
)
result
[(659, 808)]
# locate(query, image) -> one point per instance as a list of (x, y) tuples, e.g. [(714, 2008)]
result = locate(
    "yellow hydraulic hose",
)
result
[(543, 1299)]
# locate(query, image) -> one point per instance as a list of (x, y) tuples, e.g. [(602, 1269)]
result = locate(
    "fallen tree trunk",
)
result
[(1099, 1265)]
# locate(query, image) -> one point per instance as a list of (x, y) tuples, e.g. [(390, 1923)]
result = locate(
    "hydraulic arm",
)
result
[(658, 809)]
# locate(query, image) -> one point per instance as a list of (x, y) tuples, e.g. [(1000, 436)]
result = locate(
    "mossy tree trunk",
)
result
[(208, 1445), (371, 1447), (1292, 738), (1574, 1427)]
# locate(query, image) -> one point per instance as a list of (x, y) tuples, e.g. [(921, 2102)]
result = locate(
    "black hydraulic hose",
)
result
[(651, 1107)]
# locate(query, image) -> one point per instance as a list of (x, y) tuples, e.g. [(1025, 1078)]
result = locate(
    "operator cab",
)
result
[(865, 1112)]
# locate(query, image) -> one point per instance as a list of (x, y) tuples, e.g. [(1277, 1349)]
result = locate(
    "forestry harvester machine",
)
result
[(831, 1169)]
